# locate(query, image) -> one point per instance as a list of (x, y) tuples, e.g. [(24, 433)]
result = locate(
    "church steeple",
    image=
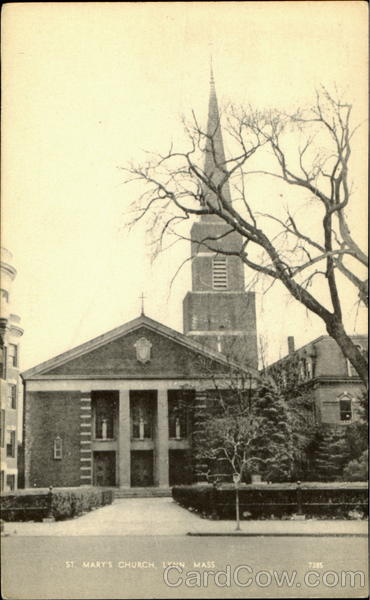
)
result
[(214, 161), (218, 312)]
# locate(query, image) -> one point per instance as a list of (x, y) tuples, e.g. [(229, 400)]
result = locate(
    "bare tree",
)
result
[(250, 429), (308, 151)]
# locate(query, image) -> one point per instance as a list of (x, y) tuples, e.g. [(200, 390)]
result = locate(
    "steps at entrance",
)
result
[(142, 492)]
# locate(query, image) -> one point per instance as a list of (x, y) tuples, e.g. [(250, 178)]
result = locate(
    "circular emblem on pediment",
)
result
[(143, 350)]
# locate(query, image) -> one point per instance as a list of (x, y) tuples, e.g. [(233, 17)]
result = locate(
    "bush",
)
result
[(34, 505), (24, 507), (358, 470), (318, 500), (196, 498)]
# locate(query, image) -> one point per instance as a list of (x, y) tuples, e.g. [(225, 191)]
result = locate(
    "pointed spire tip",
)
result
[(212, 77)]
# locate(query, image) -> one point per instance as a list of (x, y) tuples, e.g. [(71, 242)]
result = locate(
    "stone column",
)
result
[(86, 474), (124, 439), (162, 439)]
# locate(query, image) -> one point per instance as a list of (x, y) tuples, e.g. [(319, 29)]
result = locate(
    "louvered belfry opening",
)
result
[(219, 273)]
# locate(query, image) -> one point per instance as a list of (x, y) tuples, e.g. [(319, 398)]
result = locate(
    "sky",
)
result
[(89, 88)]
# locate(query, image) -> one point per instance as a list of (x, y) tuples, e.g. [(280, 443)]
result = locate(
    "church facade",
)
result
[(127, 409)]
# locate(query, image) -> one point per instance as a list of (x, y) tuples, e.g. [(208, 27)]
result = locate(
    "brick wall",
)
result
[(330, 359), (48, 415), (223, 312), (327, 404), (117, 359)]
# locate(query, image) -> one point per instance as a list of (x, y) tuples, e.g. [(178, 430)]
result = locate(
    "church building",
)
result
[(126, 409)]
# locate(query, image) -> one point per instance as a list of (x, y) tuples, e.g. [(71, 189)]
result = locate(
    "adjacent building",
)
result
[(11, 384), (323, 370)]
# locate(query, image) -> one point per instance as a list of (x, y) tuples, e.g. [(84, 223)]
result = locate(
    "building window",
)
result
[(141, 423), (58, 448), (2, 428), (104, 411), (177, 419), (4, 295), (3, 355), (12, 395), (219, 273), (2, 481), (302, 370), (345, 408), (10, 482), (13, 355), (10, 444), (309, 368)]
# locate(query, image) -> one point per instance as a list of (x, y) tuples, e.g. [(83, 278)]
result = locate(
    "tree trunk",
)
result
[(336, 330)]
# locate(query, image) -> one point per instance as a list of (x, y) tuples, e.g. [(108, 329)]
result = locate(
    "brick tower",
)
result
[(218, 312)]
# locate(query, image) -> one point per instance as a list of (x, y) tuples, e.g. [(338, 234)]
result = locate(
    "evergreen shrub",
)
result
[(66, 503)]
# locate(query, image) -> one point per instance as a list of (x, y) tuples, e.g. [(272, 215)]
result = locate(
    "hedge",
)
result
[(275, 500), (61, 503)]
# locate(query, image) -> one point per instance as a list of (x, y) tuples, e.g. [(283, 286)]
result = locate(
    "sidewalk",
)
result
[(162, 516), (310, 527)]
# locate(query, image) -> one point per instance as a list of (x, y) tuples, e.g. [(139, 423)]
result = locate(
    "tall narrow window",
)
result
[(177, 419), (309, 367), (12, 395), (219, 273), (142, 421), (13, 355), (10, 482), (2, 428), (3, 355), (10, 444), (58, 448), (104, 408)]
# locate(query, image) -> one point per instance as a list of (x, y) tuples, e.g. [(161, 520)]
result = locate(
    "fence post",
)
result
[(299, 498), (214, 498), (50, 503)]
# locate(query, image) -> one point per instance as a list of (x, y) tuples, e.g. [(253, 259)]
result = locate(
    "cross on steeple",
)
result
[(142, 298)]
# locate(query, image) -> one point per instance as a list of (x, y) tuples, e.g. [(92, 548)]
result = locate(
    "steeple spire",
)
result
[(214, 163)]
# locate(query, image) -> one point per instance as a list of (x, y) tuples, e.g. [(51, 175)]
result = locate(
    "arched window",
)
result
[(58, 448), (345, 407), (219, 273)]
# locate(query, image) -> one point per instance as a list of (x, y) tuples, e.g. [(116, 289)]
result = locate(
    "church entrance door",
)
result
[(105, 469), (141, 468)]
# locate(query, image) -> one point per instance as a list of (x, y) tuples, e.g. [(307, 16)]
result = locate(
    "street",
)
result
[(133, 566)]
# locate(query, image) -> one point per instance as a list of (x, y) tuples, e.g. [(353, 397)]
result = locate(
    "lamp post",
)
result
[(236, 480)]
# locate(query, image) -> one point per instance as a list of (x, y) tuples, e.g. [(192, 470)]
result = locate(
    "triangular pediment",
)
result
[(140, 349)]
